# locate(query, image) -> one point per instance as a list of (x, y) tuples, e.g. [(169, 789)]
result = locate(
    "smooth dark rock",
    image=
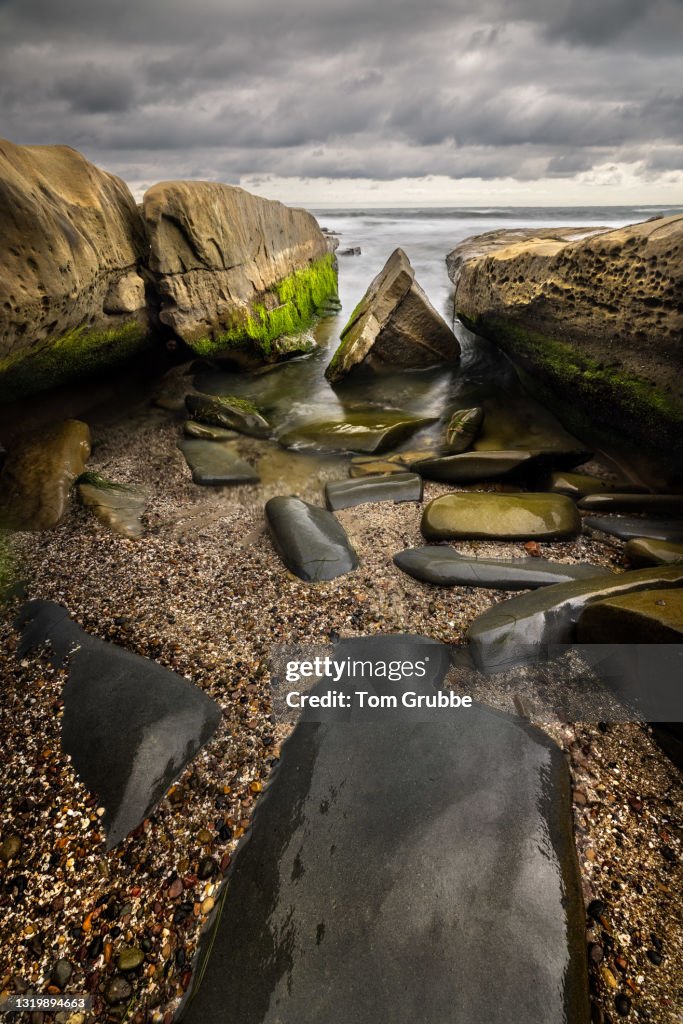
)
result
[(661, 503), (645, 617), (463, 427), (500, 516), (641, 552), (524, 629), (628, 527), (215, 463), (669, 736), (61, 973), (399, 487), (353, 250), (413, 873), (376, 430), (578, 485), (229, 412), (445, 567), (473, 467), (130, 726), (117, 991), (310, 541), (117, 506)]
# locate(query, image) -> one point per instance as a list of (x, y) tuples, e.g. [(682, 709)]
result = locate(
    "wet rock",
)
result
[(118, 507), (462, 429), (10, 847), (578, 485), (206, 433), (629, 527), (661, 503), (215, 463), (622, 1004), (310, 541), (229, 412), (130, 726), (476, 466), (524, 629), (353, 250), (38, 474), (130, 958), (644, 617), (445, 567), (61, 973), (304, 934), (642, 552), (500, 516), (400, 487), (371, 431), (207, 868), (377, 467), (393, 327), (117, 991)]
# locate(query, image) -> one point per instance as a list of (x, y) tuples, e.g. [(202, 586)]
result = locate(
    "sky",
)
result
[(359, 102)]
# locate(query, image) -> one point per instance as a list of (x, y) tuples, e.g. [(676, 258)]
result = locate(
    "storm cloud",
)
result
[(393, 89)]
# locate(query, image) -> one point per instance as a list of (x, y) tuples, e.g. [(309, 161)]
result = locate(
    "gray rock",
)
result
[(214, 463), (405, 872), (476, 466), (129, 726), (473, 515), (229, 412), (310, 541), (445, 567), (524, 629), (353, 250), (658, 503), (117, 506), (394, 326), (397, 487), (629, 527)]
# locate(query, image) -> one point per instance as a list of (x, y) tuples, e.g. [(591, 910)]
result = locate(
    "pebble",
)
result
[(61, 973), (654, 957), (622, 1005), (207, 868), (596, 909), (117, 991), (10, 847), (130, 958), (608, 977), (175, 889)]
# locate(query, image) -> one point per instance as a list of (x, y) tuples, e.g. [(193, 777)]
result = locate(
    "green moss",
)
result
[(76, 354), (619, 401), (300, 296)]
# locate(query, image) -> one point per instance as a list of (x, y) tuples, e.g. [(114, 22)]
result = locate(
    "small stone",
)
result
[(622, 1005), (117, 991), (61, 973), (204, 837), (95, 947), (175, 888), (130, 958), (207, 868), (596, 909), (207, 905), (654, 957), (596, 953), (608, 978), (10, 847), (668, 854)]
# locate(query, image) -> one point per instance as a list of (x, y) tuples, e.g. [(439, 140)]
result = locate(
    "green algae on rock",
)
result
[(500, 517), (462, 429), (229, 412), (444, 567), (376, 430), (644, 617), (641, 552)]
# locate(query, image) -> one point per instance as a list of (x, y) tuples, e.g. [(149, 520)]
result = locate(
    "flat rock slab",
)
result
[(629, 527), (399, 487), (641, 552), (524, 629), (215, 463), (372, 431), (206, 433), (644, 617), (394, 326), (118, 507), (578, 485), (413, 873), (659, 503), (38, 474), (474, 467), (500, 517), (445, 567), (309, 540), (229, 412), (130, 726)]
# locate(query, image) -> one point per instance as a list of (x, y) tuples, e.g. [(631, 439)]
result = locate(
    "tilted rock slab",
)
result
[(71, 295), (130, 726), (403, 871), (446, 568), (394, 326), (309, 540), (595, 321), (232, 268)]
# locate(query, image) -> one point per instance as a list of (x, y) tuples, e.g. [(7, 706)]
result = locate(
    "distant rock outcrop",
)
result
[(71, 295), (234, 270), (394, 326), (594, 317)]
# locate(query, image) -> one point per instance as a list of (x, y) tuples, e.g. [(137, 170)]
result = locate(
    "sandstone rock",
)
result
[(71, 296), (644, 617), (234, 270), (463, 427), (38, 474), (643, 552), (500, 516), (215, 463), (396, 487), (394, 326), (372, 431), (444, 567), (311, 542), (594, 321)]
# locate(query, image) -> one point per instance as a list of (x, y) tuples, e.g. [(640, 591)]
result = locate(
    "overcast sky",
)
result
[(359, 101)]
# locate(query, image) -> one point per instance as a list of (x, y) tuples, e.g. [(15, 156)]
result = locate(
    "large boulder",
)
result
[(233, 270), (72, 299), (596, 322), (394, 326)]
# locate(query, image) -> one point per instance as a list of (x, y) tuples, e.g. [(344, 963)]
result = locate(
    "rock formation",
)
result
[(234, 270), (71, 295), (596, 322), (394, 326)]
